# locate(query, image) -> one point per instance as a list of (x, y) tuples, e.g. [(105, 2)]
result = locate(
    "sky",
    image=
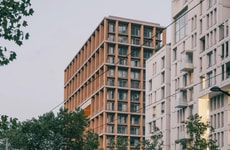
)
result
[(34, 83)]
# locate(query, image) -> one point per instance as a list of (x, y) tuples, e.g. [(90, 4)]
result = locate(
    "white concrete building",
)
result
[(158, 94), (200, 59)]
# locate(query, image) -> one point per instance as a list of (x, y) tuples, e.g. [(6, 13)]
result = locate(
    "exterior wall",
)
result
[(158, 94), (199, 61), (106, 78)]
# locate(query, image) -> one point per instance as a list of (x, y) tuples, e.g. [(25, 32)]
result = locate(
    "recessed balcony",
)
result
[(181, 100), (187, 61)]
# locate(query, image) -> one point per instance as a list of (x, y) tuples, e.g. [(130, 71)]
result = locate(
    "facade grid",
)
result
[(106, 78)]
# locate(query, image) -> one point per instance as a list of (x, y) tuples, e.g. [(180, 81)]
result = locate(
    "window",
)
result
[(162, 77), (110, 118), (162, 107), (122, 61), (135, 52), (135, 74), (122, 95), (209, 76), (147, 32), (134, 119), (110, 128), (122, 39), (121, 119), (135, 84), (111, 27), (147, 42), (135, 41), (135, 30), (122, 73), (175, 54), (202, 81), (154, 67), (226, 49), (135, 96), (111, 50), (150, 85), (202, 44), (210, 59), (228, 70), (110, 72), (110, 105), (122, 83), (181, 26), (122, 28), (111, 37), (163, 92), (135, 107), (110, 59), (110, 81), (135, 63), (154, 111), (122, 106), (122, 51), (110, 94), (147, 53), (121, 129), (134, 130), (163, 62), (185, 79)]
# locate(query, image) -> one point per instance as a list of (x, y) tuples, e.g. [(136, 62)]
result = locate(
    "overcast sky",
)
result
[(34, 83)]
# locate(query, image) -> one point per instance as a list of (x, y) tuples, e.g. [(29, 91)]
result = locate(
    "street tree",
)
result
[(196, 130), (66, 130), (12, 24), (155, 142)]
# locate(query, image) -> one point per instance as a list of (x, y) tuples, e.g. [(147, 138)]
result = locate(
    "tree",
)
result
[(196, 130), (120, 143), (12, 24), (50, 132), (156, 141)]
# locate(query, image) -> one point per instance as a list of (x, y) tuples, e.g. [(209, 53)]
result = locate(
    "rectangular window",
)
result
[(175, 54), (135, 52), (122, 51), (122, 28), (209, 76), (162, 77), (135, 30), (135, 74), (147, 32), (122, 95), (163, 62), (111, 27), (122, 129), (181, 26), (210, 59)]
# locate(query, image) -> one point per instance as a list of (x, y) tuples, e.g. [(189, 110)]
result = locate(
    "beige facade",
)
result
[(106, 78), (200, 59), (158, 94)]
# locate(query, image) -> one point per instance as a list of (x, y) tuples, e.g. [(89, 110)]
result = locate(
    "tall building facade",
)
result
[(158, 94), (199, 60), (106, 78)]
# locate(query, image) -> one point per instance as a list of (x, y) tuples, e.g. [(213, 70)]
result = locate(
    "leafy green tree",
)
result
[(65, 131), (120, 143), (196, 129), (12, 24), (156, 142)]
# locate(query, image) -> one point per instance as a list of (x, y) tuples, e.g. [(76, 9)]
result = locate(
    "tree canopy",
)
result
[(66, 130), (196, 130), (12, 24)]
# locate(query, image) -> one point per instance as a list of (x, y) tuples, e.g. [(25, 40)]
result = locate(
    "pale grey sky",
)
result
[(33, 84)]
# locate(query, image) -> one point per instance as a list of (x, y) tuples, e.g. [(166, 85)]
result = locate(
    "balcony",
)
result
[(184, 136), (187, 61), (181, 100)]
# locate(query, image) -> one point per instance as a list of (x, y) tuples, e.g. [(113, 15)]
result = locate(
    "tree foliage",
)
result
[(50, 132), (156, 142), (196, 130), (12, 24)]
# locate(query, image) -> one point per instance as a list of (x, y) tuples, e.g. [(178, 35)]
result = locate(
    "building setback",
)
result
[(106, 78), (200, 59)]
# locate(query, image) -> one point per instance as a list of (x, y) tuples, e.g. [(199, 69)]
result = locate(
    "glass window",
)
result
[(147, 32), (181, 26), (122, 28), (122, 51), (135, 30)]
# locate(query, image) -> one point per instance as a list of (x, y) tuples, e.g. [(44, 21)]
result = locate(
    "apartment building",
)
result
[(158, 94), (106, 78), (200, 60)]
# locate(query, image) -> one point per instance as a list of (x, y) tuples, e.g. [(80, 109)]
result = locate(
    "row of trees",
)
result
[(66, 130), (49, 132)]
